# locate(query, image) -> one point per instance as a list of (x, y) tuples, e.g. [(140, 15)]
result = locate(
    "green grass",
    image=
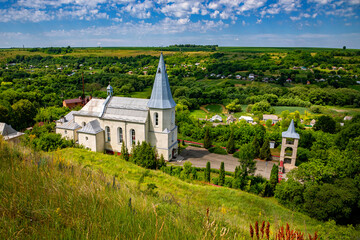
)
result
[(214, 108), (70, 195), (144, 94), (199, 114), (279, 109)]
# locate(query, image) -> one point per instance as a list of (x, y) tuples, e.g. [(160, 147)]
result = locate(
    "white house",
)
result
[(104, 124), (247, 119), (8, 133), (216, 117), (251, 76)]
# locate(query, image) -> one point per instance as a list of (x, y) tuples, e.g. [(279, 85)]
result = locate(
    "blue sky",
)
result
[(268, 23)]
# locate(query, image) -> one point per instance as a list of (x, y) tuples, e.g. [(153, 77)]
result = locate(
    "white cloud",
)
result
[(24, 15), (289, 5), (320, 1), (140, 10), (258, 21)]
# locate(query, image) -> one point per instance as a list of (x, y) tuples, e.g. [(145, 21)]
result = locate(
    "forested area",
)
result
[(47, 80)]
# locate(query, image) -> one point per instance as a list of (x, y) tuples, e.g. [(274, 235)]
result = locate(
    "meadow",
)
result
[(78, 194)]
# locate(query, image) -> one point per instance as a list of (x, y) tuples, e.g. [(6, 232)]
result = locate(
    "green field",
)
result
[(199, 114), (145, 94), (279, 109), (214, 108)]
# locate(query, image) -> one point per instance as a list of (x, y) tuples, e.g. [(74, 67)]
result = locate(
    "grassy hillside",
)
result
[(72, 194)]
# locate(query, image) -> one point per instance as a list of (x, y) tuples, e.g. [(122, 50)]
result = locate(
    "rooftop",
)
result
[(290, 133), (161, 96), (92, 127)]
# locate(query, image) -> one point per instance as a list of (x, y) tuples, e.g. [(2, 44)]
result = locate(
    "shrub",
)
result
[(207, 172), (215, 180), (207, 140), (217, 150), (222, 174)]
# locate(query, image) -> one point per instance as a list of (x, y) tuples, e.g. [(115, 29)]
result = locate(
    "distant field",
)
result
[(199, 114), (145, 94), (274, 49), (279, 109)]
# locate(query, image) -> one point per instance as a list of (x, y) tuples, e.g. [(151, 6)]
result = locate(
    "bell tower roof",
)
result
[(290, 133), (161, 96)]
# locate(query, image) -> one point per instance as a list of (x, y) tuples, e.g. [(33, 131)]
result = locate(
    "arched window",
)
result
[(173, 118), (107, 130), (120, 135), (83, 124), (132, 135), (172, 137), (156, 116)]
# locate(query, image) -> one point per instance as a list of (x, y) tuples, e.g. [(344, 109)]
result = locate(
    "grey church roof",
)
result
[(128, 103), (69, 126), (68, 117), (92, 127), (290, 133), (161, 96), (8, 132), (93, 108)]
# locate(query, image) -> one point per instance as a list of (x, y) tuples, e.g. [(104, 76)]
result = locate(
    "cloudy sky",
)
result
[(82, 23)]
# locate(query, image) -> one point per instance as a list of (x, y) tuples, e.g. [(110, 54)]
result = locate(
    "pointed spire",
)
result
[(291, 133), (161, 96)]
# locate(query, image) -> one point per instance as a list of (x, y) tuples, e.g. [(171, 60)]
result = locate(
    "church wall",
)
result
[(68, 134), (114, 145), (92, 142), (166, 120), (84, 119)]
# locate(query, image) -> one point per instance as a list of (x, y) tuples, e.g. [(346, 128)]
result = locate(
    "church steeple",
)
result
[(161, 96)]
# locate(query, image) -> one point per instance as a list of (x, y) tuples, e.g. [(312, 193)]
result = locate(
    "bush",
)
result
[(236, 154), (217, 150), (215, 180)]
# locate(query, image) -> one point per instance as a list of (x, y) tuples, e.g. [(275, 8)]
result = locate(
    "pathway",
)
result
[(200, 156)]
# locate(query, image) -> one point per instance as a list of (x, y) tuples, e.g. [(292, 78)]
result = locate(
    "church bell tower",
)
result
[(163, 131)]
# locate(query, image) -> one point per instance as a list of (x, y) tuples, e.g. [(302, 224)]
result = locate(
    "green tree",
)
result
[(207, 140), (325, 124), (230, 146), (268, 123), (207, 172), (161, 162), (263, 107), (24, 113), (332, 201), (144, 155), (124, 152), (234, 106), (222, 174), (274, 176), (256, 147), (265, 151), (246, 159), (50, 114)]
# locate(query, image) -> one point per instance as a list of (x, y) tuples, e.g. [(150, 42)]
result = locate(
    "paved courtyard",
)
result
[(200, 156)]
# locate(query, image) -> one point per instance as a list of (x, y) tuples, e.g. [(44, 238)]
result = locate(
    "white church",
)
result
[(104, 124)]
